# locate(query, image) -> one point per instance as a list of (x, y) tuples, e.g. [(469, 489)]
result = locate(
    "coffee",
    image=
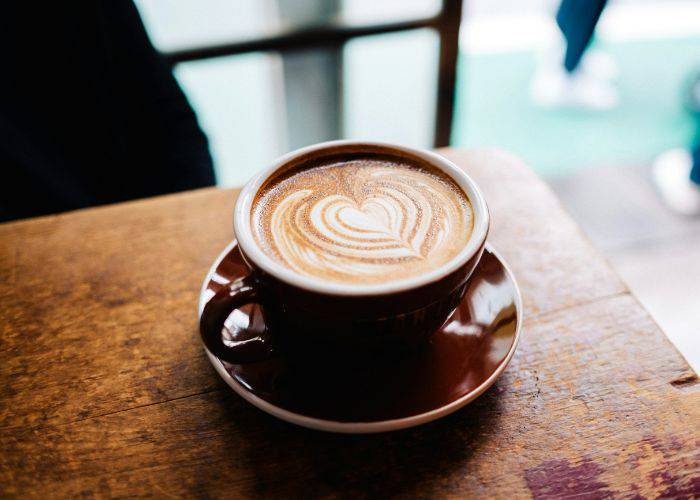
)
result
[(361, 220)]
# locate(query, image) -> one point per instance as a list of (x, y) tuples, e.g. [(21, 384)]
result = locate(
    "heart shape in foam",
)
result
[(365, 220), (354, 222), (381, 227)]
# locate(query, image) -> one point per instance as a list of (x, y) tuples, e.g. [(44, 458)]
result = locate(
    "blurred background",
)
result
[(384, 86), (257, 105), (268, 76)]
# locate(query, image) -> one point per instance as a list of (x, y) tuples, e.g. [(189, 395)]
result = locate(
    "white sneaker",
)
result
[(671, 174), (595, 62), (555, 87), (599, 64)]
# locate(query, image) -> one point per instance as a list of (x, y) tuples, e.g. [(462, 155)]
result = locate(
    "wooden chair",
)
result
[(328, 38)]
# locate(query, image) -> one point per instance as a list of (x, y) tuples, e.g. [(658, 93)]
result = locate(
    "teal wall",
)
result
[(494, 108)]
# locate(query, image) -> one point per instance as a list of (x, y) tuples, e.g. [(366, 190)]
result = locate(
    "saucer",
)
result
[(461, 360)]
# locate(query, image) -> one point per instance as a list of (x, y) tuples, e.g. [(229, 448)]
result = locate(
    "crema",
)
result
[(362, 220)]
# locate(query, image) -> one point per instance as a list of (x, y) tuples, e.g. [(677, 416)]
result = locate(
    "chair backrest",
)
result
[(322, 121)]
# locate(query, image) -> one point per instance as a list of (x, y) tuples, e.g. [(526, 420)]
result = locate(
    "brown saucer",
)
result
[(386, 392)]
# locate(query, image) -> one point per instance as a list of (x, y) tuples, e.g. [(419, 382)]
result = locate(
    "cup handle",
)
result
[(218, 309)]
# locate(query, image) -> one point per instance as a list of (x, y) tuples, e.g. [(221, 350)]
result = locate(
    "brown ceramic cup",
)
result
[(307, 313)]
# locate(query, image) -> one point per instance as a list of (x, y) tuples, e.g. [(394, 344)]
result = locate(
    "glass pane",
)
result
[(372, 11), (390, 87), (196, 23), (255, 107), (237, 103)]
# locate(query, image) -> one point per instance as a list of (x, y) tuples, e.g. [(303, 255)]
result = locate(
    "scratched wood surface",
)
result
[(105, 390)]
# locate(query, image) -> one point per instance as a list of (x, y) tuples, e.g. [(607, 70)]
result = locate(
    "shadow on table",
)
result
[(292, 461)]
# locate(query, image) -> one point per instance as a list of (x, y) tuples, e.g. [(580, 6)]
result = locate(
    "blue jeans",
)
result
[(577, 20)]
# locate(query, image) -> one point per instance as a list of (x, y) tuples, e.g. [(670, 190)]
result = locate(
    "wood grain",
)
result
[(106, 391), (553, 261)]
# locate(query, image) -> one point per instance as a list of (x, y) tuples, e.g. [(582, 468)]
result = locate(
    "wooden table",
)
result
[(105, 389)]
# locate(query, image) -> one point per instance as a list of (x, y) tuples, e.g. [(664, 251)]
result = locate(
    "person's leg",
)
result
[(695, 170), (570, 79), (577, 20), (676, 174)]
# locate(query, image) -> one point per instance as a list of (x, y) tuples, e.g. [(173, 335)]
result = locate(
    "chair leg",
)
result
[(450, 20)]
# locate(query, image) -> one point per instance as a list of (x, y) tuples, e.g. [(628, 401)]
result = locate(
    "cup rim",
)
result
[(251, 250)]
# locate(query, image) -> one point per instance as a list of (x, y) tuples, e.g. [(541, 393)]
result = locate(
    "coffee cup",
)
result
[(334, 272)]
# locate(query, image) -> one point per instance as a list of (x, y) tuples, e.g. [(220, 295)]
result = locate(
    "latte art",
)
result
[(362, 221)]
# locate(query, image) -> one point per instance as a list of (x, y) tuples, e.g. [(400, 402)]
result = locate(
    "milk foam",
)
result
[(362, 221)]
